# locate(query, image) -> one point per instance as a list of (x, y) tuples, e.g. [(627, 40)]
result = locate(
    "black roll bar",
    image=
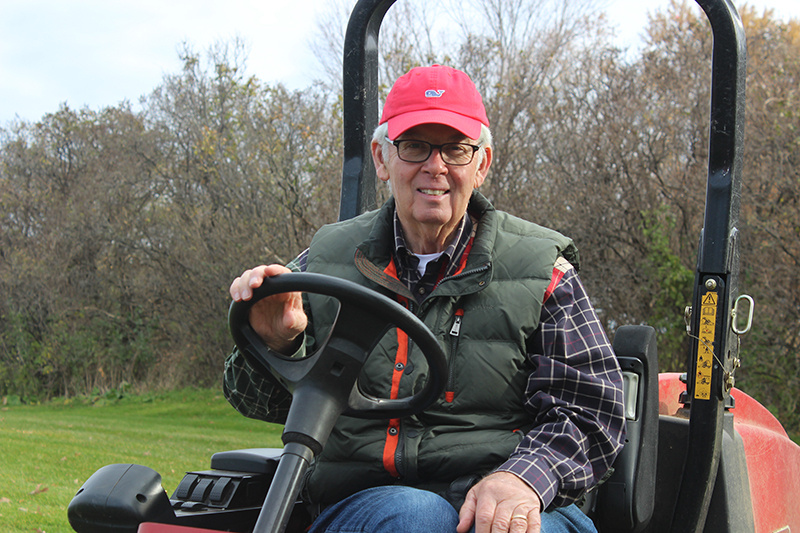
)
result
[(714, 351), (360, 106)]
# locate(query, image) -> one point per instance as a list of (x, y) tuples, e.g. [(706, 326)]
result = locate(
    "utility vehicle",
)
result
[(701, 455)]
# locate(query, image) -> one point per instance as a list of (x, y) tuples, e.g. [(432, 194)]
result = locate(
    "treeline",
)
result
[(120, 230)]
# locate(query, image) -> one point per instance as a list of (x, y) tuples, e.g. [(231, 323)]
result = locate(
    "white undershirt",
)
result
[(424, 259)]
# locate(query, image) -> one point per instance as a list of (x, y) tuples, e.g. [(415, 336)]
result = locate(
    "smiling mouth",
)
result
[(432, 192)]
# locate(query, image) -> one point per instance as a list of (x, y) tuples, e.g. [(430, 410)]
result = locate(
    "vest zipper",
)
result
[(455, 335), (477, 270)]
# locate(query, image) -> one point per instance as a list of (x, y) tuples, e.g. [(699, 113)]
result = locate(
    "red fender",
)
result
[(773, 460)]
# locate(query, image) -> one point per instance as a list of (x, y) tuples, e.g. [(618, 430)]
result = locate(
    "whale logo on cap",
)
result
[(431, 93)]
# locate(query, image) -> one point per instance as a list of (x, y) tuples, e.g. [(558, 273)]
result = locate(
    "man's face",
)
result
[(431, 196)]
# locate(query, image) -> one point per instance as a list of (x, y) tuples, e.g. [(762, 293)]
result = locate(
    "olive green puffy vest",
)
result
[(480, 420)]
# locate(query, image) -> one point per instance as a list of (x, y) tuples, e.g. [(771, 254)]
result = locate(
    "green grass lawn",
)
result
[(47, 451)]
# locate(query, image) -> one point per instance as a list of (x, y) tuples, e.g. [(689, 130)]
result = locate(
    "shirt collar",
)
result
[(464, 229)]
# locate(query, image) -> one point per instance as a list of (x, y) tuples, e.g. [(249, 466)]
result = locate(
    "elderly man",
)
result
[(532, 415)]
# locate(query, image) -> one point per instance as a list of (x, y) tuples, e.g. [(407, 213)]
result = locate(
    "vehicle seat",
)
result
[(624, 503)]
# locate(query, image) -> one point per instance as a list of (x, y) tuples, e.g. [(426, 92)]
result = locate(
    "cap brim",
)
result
[(466, 125)]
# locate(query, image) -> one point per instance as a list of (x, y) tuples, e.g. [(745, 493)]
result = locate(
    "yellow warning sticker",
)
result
[(705, 345)]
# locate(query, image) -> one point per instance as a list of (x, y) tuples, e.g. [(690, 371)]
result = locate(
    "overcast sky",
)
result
[(97, 53)]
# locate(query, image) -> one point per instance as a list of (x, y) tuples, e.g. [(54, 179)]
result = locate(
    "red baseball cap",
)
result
[(434, 95)]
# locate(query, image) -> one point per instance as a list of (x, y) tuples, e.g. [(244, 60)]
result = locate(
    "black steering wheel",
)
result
[(324, 384), (364, 317)]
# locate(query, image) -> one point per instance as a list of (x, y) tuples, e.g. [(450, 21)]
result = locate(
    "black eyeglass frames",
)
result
[(413, 151)]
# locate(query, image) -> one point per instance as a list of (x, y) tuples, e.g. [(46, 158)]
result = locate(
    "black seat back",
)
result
[(625, 502)]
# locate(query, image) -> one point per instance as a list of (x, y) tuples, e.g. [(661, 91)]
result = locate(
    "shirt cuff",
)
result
[(537, 473)]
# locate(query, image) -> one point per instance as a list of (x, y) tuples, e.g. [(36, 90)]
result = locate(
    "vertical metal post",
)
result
[(360, 106), (714, 347)]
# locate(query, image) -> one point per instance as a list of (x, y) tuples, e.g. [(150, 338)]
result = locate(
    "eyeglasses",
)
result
[(412, 151)]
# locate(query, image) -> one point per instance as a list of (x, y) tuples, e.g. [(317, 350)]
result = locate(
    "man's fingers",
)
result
[(533, 521), (519, 523), (467, 513), (242, 287)]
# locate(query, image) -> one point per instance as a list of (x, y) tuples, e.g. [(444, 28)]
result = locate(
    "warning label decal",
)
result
[(705, 346)]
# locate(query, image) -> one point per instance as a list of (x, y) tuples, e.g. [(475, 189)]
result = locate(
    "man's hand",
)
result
[(501, 503), (279, 318)]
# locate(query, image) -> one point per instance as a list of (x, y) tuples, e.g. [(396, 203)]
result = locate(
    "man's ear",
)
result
[(483, 168), (380, 163)]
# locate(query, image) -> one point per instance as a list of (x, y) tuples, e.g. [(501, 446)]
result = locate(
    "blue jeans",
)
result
[(396, 509)]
